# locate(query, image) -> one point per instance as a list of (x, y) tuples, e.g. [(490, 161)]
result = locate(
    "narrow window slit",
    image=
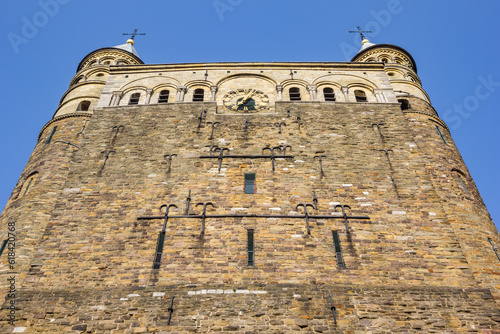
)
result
[(159, 250), (51, 134), (338, 249), (441, 135), (2, 248), (250, 248)]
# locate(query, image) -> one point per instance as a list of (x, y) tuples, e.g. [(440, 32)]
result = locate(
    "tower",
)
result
[(248, 197)]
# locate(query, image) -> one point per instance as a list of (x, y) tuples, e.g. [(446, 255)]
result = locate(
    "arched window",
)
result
[(360, 96), (198, 95), (83, 106), (329, 94), (462, 180), (78, 80), (134, 99), (163, 98), (294, 94), (405, 105)]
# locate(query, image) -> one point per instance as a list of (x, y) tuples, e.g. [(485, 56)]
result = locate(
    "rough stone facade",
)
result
[(416, 252)]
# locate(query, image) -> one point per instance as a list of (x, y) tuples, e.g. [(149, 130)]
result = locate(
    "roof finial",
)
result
[(133, 34), (360, 32)]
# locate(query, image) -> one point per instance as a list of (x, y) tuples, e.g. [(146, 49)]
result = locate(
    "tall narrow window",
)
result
[(463, 185), (51, 134), (198, 95), (405, 105), (163, 96), (28, 183), (250, 248), (294, 94), (360, 96), (338, 249), (2, 248), (328, 93), (441, 135), (83, 106), (159, 250), (249, 183), (134, 99)]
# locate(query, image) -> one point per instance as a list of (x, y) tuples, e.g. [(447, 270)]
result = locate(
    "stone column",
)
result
[(313, 90), (181, 91), (213, 89), (115, 99), (345, 90), (279, 88), (149, 93)]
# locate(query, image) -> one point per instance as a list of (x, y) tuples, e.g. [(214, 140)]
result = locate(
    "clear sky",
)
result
[(455, 45)]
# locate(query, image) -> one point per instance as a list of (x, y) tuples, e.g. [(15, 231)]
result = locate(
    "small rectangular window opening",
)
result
[(338, 249), (51, 134), (2, 248), (441, 135), (250, 248), (249, 183), (159, 250)]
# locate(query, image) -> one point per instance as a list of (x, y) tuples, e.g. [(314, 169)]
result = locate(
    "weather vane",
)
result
[(360, 32), (133, 34)]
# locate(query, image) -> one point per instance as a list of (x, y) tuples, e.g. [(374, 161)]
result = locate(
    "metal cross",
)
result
[(305, 213), (221, 154), (344, 215), (170, 156), (204, 214), (106, 157), (320, 157), (213, 126), (360, 32), (272, 153), (133, 34), (279, 125), (117, 128)]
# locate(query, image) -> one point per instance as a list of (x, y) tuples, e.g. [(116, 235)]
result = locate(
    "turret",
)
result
[(91, 75)]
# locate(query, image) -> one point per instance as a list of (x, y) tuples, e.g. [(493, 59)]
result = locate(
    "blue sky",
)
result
[(455, 45)]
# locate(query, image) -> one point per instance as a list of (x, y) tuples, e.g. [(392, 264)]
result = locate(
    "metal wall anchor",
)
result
[(344, 215), (106, 157), (333, 310), (298, 119), (221, 155), (188, 200), (246, 125), (279, 125), (170, 156), (212, 147), (378, 127), (284, 147), (320, 157), (494, 248), (117, 128), (213, 126), (288, 112), (200, 118), (204, 215), (306, 214), (315, 200), (272, 156), (387, 154), (67, 142), (83, 128)]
